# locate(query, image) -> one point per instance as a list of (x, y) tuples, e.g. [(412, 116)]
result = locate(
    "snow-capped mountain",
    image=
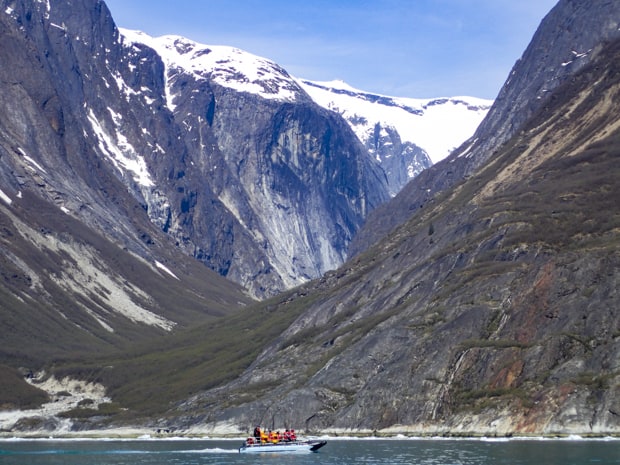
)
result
[(405, 135), (289, 174), (397, 133)]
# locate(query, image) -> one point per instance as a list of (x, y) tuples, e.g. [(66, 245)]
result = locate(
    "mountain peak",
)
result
[(227, 66), (436, 125)]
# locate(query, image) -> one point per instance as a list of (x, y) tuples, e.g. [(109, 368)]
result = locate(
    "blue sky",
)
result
[(405, 48)]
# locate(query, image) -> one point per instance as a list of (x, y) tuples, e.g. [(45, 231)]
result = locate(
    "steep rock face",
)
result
[(205, 159), (493, 310), (567, 39), (292, 177), (82, 267)]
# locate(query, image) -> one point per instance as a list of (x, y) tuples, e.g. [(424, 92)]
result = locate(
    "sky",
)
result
[(403, 48)]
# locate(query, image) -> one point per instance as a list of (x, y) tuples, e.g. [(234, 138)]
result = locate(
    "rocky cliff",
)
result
[(492, 310), (83, 267), (293, 182), (265, 188)]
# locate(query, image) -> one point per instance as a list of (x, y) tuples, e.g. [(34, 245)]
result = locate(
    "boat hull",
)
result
[(297, 446)]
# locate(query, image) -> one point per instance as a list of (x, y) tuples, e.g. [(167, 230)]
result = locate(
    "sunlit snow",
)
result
[(31, 160), (121, 152), (227, 66), (5, 198), (436, 125), (164, 268)]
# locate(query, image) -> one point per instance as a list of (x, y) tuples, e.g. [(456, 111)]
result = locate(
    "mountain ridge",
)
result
[(573, 32), (259, 194)]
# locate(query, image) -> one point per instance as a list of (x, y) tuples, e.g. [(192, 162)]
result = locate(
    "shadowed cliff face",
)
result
[(294, 177), (493, 310)]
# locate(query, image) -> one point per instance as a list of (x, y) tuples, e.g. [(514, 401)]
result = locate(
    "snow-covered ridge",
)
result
[(227, 66), (436, 125)]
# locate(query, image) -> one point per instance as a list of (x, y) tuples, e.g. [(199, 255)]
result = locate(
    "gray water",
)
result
[(336, 452)]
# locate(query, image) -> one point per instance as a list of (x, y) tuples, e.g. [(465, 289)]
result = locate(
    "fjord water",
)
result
[(337, 452)]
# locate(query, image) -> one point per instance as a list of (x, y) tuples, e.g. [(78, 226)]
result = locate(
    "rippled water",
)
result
[(336, 452)]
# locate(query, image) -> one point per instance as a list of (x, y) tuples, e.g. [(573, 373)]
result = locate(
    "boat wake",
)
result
[(211, 450)]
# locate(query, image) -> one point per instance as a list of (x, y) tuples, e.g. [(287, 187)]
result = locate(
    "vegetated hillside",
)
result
[(492, 310), (566, 40), (68, 293)]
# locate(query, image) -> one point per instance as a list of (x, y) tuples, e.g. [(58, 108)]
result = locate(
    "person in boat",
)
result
[(273, 437), (293, 435), (287, 436), (264, 437), (257, 433)]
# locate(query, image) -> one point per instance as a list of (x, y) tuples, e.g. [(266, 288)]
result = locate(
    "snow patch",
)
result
[(228, 66), (58, 26), (164, 268), (465, 153), (5, 198), (121, 153), (31, 160)]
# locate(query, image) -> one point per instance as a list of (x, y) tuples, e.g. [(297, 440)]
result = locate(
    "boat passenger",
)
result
[(257, 433), (287, 436), (293, 435), (264, 437), (273, 437)]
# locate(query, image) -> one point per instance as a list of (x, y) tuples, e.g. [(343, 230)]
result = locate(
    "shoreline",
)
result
[(129, 434)]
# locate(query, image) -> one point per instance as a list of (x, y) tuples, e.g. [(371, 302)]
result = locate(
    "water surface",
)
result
[(336, 452)]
